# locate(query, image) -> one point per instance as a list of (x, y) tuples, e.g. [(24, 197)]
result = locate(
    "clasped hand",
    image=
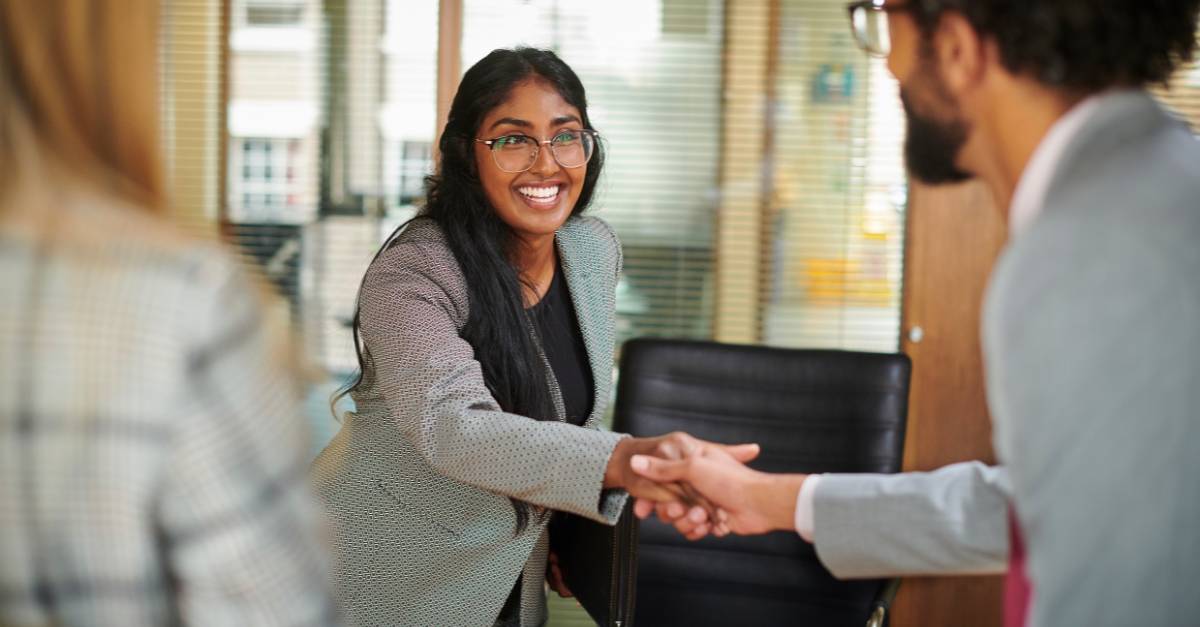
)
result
[(674, 499), (696, 486), (701, 488)]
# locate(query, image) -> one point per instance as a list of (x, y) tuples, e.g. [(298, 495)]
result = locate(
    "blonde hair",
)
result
[(79, 99)]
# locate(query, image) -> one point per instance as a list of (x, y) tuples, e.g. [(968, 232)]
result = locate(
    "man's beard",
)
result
[(931, 146)]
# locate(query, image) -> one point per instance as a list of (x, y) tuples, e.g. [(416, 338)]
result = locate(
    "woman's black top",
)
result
[(562, 340)]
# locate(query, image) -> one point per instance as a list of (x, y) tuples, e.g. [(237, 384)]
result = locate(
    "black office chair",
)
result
[(812, 411)]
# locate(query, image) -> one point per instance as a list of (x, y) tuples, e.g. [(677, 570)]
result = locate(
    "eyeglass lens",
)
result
[(517, 153)]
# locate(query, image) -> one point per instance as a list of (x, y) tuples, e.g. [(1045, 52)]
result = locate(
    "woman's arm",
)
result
[(412, 307)]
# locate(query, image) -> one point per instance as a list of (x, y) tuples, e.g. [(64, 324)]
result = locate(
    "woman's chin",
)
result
[(540, 223)]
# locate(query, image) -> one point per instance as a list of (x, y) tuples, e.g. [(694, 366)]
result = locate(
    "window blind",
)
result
[(836, 219), (190, 78)]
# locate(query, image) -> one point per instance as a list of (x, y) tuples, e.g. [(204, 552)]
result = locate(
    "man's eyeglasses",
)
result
[(517, 153), (869, 23)]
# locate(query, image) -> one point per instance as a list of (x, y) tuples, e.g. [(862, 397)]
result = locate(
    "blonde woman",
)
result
[(151, 460)]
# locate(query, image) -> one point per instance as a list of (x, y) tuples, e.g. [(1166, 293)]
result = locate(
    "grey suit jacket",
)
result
[(1092, 346), (417, 482), (1092, 339)]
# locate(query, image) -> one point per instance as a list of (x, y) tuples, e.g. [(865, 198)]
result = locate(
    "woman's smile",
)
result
[(542, 196)]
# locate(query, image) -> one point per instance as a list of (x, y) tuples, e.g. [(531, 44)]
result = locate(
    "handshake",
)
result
[(698, 487), (703, 488)]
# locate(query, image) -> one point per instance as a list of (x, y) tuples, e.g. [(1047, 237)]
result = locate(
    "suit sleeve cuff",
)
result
[(804, 507), (612, 500)]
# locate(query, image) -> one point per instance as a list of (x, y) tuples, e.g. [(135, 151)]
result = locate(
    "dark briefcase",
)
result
[(599, 564)]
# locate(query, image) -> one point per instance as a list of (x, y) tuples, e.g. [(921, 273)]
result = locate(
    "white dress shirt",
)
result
[(1027, 201)]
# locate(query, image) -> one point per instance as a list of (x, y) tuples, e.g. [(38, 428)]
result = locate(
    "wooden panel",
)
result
[(953, 237), (747, 81), (194, 52), (449, 63)]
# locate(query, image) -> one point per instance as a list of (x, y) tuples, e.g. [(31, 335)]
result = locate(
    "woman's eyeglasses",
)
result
[(517, 153), (869, 23)]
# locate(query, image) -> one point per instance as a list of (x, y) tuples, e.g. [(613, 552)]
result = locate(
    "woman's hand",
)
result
[(672, 446), (752, 502), (555, 579)]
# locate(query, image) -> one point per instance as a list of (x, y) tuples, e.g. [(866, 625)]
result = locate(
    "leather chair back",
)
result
[(811, 411)]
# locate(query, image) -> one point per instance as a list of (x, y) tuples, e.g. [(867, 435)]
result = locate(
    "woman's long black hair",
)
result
[(497, 325)]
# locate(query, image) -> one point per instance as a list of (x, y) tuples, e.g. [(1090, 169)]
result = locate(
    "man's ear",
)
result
[(961, 53)]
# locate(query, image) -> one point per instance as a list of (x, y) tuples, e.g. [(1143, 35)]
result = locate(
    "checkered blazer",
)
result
[(418, 480), (152, 458)]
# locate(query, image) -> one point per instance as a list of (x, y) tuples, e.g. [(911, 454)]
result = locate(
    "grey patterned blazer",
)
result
[(153, 454), (417, 482)]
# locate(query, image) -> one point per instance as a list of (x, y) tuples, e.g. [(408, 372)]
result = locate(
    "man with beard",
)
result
[(1091, 325)]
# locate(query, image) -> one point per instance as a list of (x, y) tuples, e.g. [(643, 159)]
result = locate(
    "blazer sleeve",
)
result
[(412, 307), (950, 521)]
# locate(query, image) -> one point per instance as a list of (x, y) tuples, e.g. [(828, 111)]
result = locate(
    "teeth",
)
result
[(540, 193)]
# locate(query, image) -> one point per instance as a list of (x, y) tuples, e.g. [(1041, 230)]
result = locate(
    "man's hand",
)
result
[(752, 502), (672, 446)]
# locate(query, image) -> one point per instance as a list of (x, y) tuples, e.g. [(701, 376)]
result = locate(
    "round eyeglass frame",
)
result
[(537, 150)]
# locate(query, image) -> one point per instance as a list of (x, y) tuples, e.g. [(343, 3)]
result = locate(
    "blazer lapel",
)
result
[(592, 309)]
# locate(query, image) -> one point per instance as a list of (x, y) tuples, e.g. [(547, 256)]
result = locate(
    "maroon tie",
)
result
[(1016, 585)]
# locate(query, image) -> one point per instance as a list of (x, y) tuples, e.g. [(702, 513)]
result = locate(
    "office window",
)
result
[(680, 17), (416, 162), (267, 184), (274, 26), (331, 125), (273, 13), (273, 112), (407, 115), (836, 218)]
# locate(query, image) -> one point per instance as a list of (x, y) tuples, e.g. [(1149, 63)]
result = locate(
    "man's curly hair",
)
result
[(1081, 45)]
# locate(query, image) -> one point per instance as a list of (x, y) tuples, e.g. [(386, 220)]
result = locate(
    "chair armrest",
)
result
[(883, 603)]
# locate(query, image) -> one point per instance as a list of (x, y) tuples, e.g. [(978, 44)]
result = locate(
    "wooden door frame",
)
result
[(952, 238)]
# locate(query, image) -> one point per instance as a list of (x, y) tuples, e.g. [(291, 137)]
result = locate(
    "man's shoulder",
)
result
[(1117, 233), (1121, 200), (1133, 163)]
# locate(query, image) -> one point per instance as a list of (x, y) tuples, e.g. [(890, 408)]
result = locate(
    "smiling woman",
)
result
[(534, 191), (485, 333)]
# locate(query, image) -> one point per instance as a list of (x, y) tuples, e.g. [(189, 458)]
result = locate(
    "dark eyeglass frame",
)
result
[(874, 6), (537, 148)]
